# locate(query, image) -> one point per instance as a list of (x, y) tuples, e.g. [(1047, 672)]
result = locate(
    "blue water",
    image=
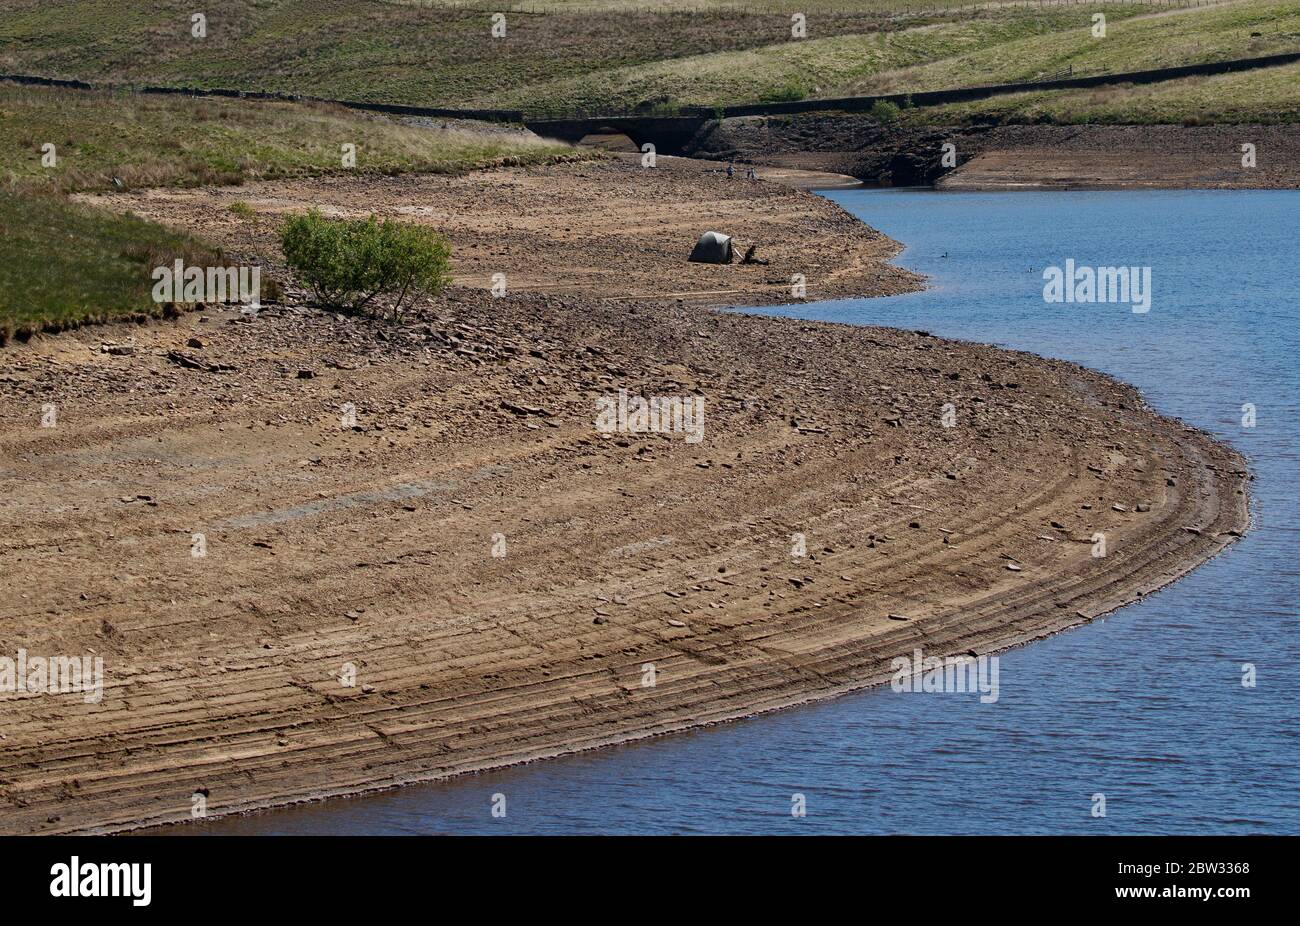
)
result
[(1145, 707)]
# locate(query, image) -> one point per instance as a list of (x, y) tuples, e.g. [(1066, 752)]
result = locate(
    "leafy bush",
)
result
[(884, 111), (350, 262)]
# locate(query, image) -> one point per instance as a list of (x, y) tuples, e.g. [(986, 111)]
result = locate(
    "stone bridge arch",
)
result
[(669, 134)]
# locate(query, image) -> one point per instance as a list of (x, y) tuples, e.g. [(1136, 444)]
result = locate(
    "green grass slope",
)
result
[(1266, 96), (167, 141), (1243, 29), (784, 70), (63, 264), (610, 54)]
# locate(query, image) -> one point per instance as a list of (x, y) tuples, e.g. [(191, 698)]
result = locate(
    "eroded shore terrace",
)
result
[(369, 553)]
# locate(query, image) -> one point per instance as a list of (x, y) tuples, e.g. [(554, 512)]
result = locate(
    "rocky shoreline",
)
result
[(469, 573), (1006, 157)]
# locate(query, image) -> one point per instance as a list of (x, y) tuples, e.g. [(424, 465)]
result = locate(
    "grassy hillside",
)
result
[(786, 70), (1233, 30), (606, 54), (361, 49), (1271, 95), (62, 264), (808, 7), (164, 141)]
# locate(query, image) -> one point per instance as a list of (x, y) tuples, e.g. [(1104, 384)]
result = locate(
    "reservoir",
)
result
[(1146, 706)]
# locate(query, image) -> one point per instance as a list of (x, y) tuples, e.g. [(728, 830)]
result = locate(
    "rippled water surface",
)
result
[(1145, 706)]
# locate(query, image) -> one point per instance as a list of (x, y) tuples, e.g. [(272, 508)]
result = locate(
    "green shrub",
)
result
[(350, 262), (884, 111)]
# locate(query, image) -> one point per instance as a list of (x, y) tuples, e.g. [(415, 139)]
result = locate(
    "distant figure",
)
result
[(731, 170), (750, 174)]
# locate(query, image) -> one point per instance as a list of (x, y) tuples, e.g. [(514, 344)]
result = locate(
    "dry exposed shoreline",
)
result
[(372, 547), (1019, 157)]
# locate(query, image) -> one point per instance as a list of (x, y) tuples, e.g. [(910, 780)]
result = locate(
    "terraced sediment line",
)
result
[(475, 662), (622, 550)]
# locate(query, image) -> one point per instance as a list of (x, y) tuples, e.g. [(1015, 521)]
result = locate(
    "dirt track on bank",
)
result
[(372, 546)]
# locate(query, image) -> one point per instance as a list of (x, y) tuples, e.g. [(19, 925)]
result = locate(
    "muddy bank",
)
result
[(1016, 156), (470, 573)]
